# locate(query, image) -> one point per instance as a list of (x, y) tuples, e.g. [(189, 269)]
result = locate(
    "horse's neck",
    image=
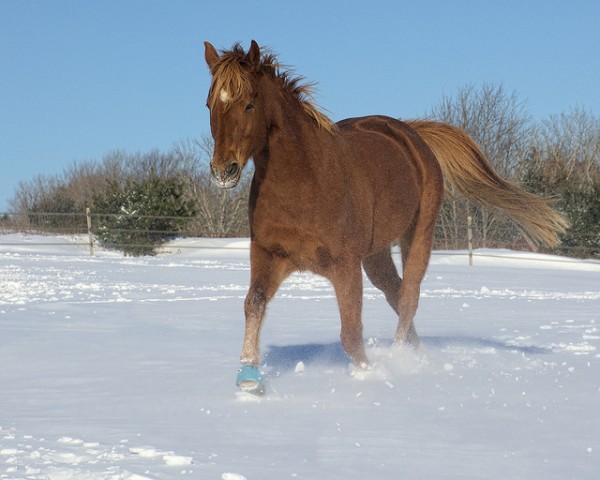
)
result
[(295, 140)]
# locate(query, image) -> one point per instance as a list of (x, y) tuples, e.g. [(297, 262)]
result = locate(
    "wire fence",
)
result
[(86, 227)]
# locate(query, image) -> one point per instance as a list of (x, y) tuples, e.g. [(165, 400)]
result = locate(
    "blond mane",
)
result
[(232, 74)]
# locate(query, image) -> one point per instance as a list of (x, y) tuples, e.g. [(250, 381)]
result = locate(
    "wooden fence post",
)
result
[(88, 215), (470, 239)]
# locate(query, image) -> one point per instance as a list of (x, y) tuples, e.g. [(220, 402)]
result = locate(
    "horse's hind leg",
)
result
[(416, 247), (383, 274), (413, 269)]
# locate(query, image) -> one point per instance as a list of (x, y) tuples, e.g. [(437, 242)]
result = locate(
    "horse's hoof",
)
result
[(249, 379)]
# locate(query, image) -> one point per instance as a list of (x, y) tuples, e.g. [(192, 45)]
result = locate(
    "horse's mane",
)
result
[(232, 73)]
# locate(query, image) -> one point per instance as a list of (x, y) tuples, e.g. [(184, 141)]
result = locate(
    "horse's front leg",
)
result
[(347, 282), (268, 271)]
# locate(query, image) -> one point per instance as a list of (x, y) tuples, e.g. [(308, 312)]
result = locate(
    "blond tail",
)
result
[(466, 168)]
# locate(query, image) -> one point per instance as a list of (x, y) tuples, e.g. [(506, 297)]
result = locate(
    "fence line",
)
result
[(85, 223), (435, 253)]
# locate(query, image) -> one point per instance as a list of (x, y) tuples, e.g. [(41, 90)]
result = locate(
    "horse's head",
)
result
[(236, 116)]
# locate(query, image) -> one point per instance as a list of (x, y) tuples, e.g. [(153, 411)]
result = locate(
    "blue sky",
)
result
[(80, 79)]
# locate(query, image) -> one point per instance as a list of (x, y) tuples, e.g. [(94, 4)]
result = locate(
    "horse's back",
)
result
[(379, 132)]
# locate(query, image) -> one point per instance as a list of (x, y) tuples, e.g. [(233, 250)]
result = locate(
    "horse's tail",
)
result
[(466, 168)]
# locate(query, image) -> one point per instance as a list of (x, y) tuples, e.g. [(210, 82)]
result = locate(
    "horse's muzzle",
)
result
[(227, 177)]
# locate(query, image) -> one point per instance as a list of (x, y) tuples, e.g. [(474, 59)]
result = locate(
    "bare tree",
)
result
[(566, 148), (565, 162)]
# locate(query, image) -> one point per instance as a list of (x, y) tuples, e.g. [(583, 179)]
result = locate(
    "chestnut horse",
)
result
[(333, 197)]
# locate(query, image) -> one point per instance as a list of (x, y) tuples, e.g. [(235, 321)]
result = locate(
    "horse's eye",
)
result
[(250, 106)]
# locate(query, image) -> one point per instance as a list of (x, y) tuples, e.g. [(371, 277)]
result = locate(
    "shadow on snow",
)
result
[(285, 357)]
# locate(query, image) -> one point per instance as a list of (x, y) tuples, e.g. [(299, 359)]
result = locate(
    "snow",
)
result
[(116, 368)]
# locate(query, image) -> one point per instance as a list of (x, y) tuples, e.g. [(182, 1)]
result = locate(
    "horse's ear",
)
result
[(253, 56), (210, 54)]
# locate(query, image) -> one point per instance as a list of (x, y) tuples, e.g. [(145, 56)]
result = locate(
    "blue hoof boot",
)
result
[(249, 379)]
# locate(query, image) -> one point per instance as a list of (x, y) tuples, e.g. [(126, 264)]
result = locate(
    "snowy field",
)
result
[(124, 368)]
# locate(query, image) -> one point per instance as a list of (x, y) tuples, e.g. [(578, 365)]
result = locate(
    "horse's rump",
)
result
[(401, 174)]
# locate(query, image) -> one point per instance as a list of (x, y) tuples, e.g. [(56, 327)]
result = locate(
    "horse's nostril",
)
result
[(232, 169)]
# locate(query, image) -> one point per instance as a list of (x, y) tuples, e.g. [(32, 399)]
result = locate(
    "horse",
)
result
[(332, 198)]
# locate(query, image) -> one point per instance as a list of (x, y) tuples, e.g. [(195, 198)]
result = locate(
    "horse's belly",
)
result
[(308, 240)]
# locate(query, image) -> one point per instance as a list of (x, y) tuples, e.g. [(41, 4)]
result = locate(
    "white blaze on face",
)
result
[(224, 96)]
